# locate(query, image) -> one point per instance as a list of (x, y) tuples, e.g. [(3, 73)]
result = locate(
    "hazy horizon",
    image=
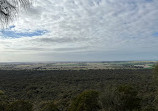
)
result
[(83, 61)]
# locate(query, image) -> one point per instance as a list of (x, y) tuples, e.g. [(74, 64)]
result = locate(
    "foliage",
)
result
[(63, 85), (1, 92), (155, 71), (149, 108), (3, 97), (128, 98), (155, 77), (49, 106), (21, 106), (86, 101), (122, 98), (52, 85), (3, 106), (108, 99), (9, 9)]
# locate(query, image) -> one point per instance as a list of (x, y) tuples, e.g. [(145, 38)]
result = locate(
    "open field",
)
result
[(78, 65)]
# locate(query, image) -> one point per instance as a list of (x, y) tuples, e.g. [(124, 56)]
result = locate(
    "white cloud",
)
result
[(100, 26)]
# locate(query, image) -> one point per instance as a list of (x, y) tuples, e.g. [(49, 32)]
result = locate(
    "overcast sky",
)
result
[(83, 30)]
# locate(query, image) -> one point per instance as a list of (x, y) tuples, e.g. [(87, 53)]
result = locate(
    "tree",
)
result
[(3, 102), (9, 9), (86, 101), (1, 92), (21, 106), (129, 100), (3, 97), (3, 106), (49, 106), (155, 76), (122, 98)]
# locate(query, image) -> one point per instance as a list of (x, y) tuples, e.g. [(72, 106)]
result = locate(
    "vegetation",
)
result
[(121, 98), (49, 106), (156, 73), (9, 9), (1, 92), (128, 98), (86, 101), (20, 106), (3, 106), (103, 90), (155, 77)]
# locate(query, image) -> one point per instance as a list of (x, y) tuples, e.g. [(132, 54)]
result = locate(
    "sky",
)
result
[(82, 30)]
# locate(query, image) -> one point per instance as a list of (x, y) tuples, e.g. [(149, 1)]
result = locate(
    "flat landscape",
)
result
[(59, 83), (78, 65), (78, 55)]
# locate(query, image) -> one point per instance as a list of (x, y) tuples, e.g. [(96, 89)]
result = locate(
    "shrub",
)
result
[(3, 106), (3, 97), (128, 98), (122, 98), (50, 106), (1, 92), (86, 101), (155, 75), (21, 106)]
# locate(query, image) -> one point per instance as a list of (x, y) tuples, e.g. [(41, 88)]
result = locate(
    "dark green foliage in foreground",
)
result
[(62, 86), (49, 106), (121, 98), (1, 92), (86, 101), (3, 106), (156, 69), (3, 97), (128, 98), (3, 101), (65, 84), (20, 106), (155, 76)]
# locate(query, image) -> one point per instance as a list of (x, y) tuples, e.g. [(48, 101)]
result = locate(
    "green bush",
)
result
[(1, 92), (3, 106), (86, 101), (149, 108), (128, 98), (50, 106), (3, 97), (20, 106), (155, 76), (122, 98), (109, 99)]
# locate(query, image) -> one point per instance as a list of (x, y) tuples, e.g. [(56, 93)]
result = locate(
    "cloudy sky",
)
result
[(82, 30)]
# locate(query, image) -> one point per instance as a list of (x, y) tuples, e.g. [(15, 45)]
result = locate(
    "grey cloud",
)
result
[(60, 40), (72, 49), (48, 49), (31, 49)]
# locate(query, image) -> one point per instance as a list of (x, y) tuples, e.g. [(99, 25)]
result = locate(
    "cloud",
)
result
[(61, 40), (71, 26)]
